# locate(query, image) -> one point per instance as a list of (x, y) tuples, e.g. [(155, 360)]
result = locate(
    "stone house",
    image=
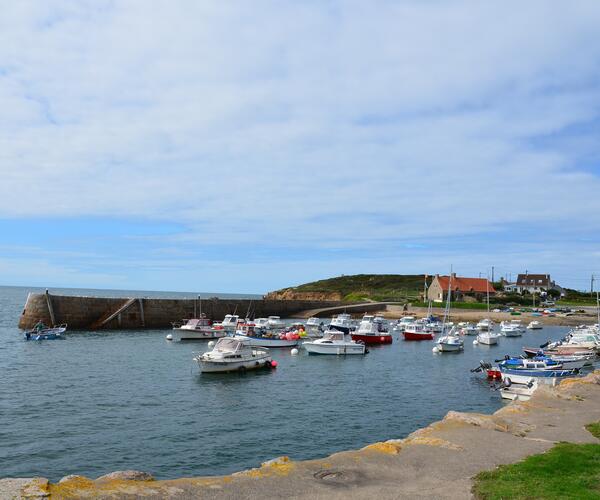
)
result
[(533, 283), (463, 289)]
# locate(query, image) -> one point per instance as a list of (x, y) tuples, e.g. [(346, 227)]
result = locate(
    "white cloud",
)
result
[(345, 123)]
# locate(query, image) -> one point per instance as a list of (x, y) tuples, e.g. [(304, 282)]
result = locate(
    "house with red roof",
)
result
[(463, 289)]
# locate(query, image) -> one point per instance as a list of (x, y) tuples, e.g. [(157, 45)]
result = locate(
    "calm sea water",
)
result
[(99, 402)]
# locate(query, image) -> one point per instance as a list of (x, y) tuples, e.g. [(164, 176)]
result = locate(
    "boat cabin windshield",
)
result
[(228, 344), (334, 336)]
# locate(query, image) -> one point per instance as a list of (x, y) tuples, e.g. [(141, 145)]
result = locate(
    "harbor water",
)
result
[(97, 402)]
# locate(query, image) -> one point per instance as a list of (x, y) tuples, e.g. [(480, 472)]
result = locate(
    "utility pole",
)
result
[(492, 274), (592, 286)]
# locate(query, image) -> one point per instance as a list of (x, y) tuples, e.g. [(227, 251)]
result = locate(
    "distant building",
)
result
[(533, 283), (463, 289)]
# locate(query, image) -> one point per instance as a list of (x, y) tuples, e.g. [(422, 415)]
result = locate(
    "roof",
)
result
[(533, 279), (465, 285)]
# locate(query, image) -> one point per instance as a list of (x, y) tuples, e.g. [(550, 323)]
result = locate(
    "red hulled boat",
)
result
[(371, 331), (417, 331)]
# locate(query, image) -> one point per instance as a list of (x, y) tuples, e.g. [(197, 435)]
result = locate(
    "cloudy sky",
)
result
[(236, 146)]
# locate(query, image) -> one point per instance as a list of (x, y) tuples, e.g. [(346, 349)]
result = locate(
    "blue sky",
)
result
[(246, 146)]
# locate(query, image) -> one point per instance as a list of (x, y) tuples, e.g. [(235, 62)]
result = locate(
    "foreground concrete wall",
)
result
[(82, 313)]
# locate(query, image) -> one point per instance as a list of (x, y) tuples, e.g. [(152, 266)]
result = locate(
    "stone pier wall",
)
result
[(84, 313)]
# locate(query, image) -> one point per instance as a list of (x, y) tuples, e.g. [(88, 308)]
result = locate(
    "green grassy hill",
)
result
[(360, 287)]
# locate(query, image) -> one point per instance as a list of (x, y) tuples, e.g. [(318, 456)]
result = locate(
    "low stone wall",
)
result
[(83, 313)]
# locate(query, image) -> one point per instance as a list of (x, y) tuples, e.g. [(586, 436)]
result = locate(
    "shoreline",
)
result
[(474, 315), (438, 461)]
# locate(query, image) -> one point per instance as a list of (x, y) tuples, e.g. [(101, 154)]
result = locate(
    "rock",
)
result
[(126, 475), (73, 477), (24, 487)]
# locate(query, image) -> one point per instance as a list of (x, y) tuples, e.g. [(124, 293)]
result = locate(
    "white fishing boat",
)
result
[(275, 323), (511, 328), (261, 322), (253, 336), (314, 322), (233, 355), (402, 323), (467, 329), (342, 322), (196, 329), (534, 325), (334, 342), (488, 338), (485, 325), (229, 323)]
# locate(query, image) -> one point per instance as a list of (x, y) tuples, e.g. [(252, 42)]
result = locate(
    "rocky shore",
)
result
[(435, 462)]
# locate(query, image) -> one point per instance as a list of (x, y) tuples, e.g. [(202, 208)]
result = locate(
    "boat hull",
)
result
[(234, 366), (267, 342), (487, 340), (417, 336), (180, 334), (334, 349), (449, 347), (372, 339)]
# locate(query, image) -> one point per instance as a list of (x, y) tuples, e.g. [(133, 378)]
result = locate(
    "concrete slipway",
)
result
[(435, 462)]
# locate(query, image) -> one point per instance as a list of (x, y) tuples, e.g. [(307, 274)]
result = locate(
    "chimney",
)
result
[(453, 276)]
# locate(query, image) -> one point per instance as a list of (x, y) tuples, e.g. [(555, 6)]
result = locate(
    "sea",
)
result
[(97, 402)]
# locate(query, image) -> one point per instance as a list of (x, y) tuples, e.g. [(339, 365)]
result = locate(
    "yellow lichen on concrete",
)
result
[(281, 466), (388, 447), (36, 488)]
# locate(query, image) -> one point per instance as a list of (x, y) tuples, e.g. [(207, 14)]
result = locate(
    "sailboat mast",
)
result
[(598, 306), (448, 299)]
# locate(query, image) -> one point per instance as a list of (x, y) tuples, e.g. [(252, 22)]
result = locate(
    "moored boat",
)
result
[(342, 322), (371, 331), (334, 343), (196, 329), (534, 325), (54, 333), (488, 337), (233, 355), (229, 323), (417, 331), (253, 336), (485, 325)]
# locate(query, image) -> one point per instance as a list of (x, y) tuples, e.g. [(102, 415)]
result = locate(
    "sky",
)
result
[(235, 146)]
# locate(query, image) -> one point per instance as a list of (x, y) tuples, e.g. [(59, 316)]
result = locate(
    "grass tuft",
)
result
[(567, 471)]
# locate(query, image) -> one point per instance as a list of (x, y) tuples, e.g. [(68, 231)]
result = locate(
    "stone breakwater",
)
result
[(438, 461), (90, 313)]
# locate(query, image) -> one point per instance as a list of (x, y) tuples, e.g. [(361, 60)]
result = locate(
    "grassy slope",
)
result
[(369, 286), (566, 471)]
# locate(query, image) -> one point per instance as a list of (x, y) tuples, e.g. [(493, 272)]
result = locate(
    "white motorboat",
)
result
[(511, 328), (275, 323), (402, 323), (314, 322), (485, 325), (342, 322), (254, 336), (488, 338), (518, 391), (534, 325), (467, 329), (229, 323), (450, 343), (334, 342), (196, 329), (261, 322), (233, 355)]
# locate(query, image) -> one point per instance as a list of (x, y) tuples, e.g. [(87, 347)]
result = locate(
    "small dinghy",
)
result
[(54, 333)]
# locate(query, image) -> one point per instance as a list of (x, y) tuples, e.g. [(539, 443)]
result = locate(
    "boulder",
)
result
[(126, 475)]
